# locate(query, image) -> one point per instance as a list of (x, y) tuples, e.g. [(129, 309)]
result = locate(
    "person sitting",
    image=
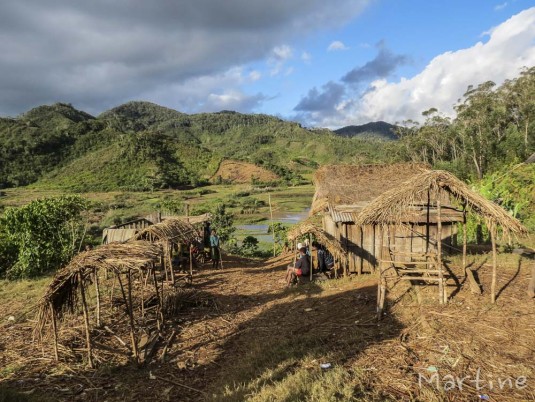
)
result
[(300, 269)]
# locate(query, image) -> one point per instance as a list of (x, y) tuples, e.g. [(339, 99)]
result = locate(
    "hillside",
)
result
[(378, 129), (142, 146)]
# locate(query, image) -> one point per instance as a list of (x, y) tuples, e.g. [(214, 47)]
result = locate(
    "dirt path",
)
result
[(249, 337)]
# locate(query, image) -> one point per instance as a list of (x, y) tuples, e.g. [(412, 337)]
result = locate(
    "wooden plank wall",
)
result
[(363, 242)]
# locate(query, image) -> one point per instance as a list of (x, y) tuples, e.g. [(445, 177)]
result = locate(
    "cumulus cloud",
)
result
[(381, 66), (98, 53), (306, 57), (210, 93), (510, 47), (337, 45), (323, 101)]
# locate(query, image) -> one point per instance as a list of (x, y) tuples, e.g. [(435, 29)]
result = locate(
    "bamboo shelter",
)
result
[(402, 204), (174, 235), (96, 281)]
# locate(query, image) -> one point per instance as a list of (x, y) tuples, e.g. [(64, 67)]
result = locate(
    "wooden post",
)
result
[(191, 263), (464, 237), (311, 258), (272, 226), (531, 285), (159, 313), (55, 329), (86, 321), (295, 252), (97, 290), (170, 261), (381, 287), (128, 305), (492, 228), (361, 262), (441, 292), (346, 268)]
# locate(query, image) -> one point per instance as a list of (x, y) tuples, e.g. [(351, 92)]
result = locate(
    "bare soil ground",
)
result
[(243, 172), (249, 338)]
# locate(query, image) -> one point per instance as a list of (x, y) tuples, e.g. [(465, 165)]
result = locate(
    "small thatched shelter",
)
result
[(73, 286), (333, 245), (175, 236), (401, 205)]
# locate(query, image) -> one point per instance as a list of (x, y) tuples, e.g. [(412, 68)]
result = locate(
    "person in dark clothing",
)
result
[(214, 247), (301, 268), (206, 234)]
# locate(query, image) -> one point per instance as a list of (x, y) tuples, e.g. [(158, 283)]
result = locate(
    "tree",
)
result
[(43, 235), (223, 222)]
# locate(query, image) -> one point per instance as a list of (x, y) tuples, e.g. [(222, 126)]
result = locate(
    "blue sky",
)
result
[(325, 64)]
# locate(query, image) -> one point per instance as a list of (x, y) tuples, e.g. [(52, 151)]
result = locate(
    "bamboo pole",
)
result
[(272, 225), (170, 261), (97, 290), (441, 292), (494, 263), (55, 329), (86, 321)]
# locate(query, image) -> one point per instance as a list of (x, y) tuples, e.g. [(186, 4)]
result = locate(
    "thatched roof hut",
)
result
[(531, 159), (397, 205)]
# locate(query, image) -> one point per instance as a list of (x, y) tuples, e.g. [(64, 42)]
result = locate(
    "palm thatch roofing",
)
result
[(329, 241), (357, 185), (172, 230), (395, 206), (531, 159), (61, 295)]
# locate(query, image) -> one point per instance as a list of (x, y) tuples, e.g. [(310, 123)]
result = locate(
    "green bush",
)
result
[(42, 235)]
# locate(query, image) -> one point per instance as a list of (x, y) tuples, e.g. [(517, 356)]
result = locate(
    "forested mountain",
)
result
[(141, 146), (377, 129)]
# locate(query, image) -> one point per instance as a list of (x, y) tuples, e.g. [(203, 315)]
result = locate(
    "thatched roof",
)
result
[(170, 230), (358, 185), (330, 242), (61, 294), (531, 159), (395, 205)]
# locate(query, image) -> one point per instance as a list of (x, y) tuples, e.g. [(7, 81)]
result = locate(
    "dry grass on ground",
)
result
[(243, 172), (249, 338)]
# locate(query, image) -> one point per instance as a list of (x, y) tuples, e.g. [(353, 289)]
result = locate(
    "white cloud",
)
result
[(255, 75), (510, 47), (499, 7), (279, 56), (306, 57), (337, 45), (210, 93)]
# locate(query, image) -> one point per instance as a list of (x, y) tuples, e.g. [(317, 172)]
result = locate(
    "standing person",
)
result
[(214, 248), (301, 268), (206, 234)]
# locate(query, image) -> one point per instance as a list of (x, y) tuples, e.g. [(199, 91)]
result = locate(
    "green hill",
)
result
[(378, 129), (142, 146)]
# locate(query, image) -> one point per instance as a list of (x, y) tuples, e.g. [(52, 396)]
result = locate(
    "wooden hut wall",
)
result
[(363, 242)]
